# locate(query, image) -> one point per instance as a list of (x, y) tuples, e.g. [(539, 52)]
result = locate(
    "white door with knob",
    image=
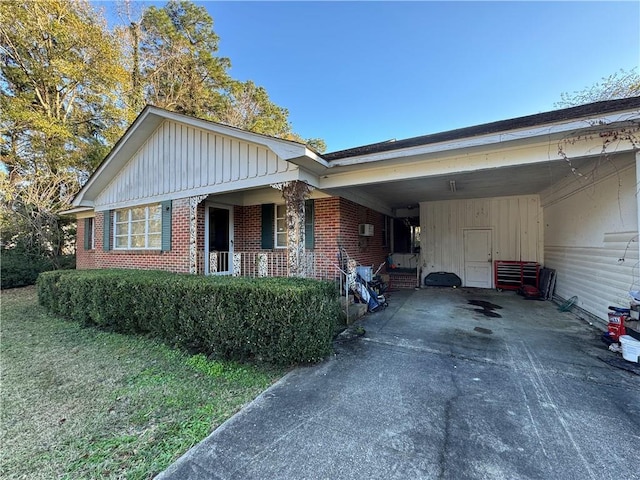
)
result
[(477, 258)]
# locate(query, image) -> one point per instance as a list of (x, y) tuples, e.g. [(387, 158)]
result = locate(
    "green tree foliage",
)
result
[(621, 84), (60, 74), (59, 111), (174, 67), (248, 106), (69, 86), (316, 144), (178, 68)]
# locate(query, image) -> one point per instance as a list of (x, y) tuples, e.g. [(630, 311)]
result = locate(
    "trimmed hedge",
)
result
[(277, 320), (19, 269)]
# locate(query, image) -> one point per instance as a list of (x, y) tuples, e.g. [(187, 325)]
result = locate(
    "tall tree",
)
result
[(60, 77), (621, 84), (248, 106), (179, 70)]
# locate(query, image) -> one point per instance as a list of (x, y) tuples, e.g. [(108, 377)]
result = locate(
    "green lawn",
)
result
[(82, 403)]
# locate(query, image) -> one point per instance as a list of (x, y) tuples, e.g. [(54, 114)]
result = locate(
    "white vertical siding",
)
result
[(178, 158), (590, 224), (516, 223)]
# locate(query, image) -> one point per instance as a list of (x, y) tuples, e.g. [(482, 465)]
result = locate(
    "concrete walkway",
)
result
[(441, 388)]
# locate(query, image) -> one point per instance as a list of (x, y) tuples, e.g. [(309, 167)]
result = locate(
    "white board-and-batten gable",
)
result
[(165, 155), (178, 160)]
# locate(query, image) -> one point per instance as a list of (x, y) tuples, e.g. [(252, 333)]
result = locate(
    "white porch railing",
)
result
[(266, 264)]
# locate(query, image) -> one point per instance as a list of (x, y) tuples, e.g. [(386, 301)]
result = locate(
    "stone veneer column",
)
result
[(295, 193), (193, 232)]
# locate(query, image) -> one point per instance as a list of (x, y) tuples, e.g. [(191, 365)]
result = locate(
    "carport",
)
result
[(557, 188), (440, 388)]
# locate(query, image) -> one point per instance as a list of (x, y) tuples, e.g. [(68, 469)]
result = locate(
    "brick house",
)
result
[(557, 188), (185, 195)]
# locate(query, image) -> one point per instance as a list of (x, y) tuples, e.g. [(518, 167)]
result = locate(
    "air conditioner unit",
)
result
[(365, 230)]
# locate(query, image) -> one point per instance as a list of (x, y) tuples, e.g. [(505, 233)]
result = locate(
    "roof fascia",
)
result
[(311, 162), (285, 149), (549, 130), (74, 211)]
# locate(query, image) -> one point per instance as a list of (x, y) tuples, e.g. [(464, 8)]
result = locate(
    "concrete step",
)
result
[(356, 310), (346, 300)]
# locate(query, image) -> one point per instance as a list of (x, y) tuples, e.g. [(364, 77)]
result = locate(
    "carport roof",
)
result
[(597, 108)]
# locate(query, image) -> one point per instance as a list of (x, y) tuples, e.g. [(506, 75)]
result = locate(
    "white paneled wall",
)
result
[(591, 224), (516, 223), (179, 158)]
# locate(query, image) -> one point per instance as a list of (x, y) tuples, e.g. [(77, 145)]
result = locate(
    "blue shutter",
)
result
[(106, 231), (309, 221), (268, 212), (166, 225)]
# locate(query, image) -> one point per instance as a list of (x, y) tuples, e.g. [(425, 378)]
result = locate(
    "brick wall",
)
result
[(85, 259), (336, 225), (367, 251), (247, 228), (177, 260), (327, 235)]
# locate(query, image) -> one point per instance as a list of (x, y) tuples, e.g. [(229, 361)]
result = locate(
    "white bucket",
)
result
[(630, 348)]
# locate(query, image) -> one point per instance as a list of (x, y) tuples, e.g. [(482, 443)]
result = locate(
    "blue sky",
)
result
[(361, 72)]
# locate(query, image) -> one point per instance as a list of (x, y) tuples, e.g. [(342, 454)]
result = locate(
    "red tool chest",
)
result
[(511, 275)]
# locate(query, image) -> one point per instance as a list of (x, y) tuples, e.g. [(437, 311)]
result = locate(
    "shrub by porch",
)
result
[(276, 320)]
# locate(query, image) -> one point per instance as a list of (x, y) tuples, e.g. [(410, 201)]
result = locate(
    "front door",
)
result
[(477, 258), (219, 236)]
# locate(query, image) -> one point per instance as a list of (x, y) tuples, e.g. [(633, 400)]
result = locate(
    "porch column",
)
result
[(295, 193), (193, 232)]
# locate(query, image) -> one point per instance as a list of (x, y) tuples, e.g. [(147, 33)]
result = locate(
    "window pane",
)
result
[(122, 216), (280, 225), (138, 213), (155, 226), (281, 211), (281, 240), (137, 241), (121, 242), (138, 228), (122, 228), (155, 212), (154, 241)]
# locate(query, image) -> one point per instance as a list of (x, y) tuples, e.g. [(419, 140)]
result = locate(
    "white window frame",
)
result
[(275, 224), (128, 222)]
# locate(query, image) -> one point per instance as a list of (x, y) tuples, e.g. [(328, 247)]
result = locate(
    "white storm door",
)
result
[(477, 258)]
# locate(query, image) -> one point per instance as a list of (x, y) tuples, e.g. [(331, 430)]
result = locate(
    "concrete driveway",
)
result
[(441, 388)]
